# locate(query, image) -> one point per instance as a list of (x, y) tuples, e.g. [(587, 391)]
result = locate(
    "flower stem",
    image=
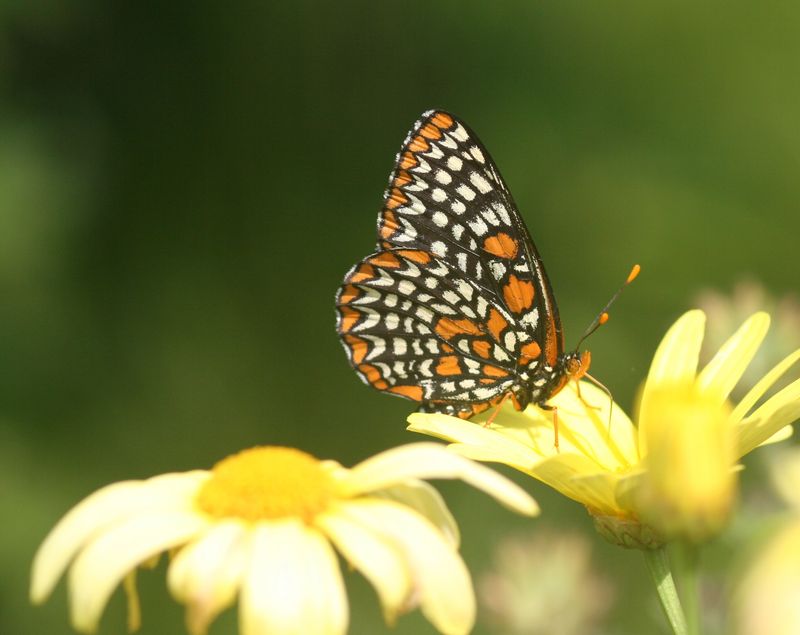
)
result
[(688, 574), (658, 565)]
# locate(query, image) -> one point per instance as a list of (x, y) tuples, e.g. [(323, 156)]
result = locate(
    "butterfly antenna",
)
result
[(602, 317)]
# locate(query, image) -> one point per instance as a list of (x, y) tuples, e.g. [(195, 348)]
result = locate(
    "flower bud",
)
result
[(688, 489)]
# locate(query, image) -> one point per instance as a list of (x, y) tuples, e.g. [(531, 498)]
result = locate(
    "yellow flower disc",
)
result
[(266, 483)]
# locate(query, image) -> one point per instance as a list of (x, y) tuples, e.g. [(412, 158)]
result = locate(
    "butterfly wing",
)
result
[(455, 303)]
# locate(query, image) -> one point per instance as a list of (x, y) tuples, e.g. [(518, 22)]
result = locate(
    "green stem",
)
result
[(688, 578), (658, 565)]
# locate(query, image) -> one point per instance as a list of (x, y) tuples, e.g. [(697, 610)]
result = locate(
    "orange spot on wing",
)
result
[(412, 392), (419, 144), (446, 348), (448, 366), (518, 294), (388, 224), (448, 328), (396, 199), (358, 347), (408, 161), (348, 294), (422, 257), (385, 259), (364, 272), (501, 245), (442, 119), (529, 352), (349, 318), (372, 374), (494, 371), (402, 178), (496, 323), (481, 347), (430, 131), (486, 380)]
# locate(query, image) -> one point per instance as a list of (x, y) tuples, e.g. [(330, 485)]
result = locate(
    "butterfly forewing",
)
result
[(456, 302)]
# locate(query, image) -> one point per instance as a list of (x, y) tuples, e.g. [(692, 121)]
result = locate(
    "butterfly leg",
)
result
[(496, 410), (545, 406), (583, 401)]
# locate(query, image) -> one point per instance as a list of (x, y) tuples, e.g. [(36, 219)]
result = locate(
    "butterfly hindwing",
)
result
[(409, 327)]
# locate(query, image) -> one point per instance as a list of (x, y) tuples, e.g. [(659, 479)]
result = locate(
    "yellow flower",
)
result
[(765, 600), (263, 524), (605, 465)]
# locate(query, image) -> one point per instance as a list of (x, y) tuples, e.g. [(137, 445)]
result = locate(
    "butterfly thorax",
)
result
[(547, 381)]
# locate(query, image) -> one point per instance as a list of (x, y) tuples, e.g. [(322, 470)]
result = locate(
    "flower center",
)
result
[(267, 482)]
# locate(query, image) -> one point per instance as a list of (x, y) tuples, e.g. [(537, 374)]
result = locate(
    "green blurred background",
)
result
[(184, 184)]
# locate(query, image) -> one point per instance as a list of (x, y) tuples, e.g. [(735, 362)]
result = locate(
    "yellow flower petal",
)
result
[(488, 442), (424, 499), (206, 574), (443, 582), (100, 510), (764, 384), (106, 560), (586, 427), (785, 473), (675, 361), (766, 598), (293, 585), (726, 368), (380, 561), (784, 433), (431, 460), (578, 478), (778, 411)]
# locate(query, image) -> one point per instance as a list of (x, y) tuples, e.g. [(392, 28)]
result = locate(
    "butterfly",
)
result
[(454, 308)]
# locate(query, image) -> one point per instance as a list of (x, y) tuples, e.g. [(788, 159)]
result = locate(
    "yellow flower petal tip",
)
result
[(683, 453), (263, 525)]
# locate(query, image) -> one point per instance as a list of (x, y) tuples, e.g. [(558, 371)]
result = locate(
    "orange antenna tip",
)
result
[(632, 275), (603, 318)]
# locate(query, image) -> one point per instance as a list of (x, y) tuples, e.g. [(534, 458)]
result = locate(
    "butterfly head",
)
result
[(576, 364)]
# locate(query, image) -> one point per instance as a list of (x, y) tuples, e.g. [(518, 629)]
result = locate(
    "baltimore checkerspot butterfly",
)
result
[(454, 308)]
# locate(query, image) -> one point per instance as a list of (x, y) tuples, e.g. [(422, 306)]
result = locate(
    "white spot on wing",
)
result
[(438, 194), (460, 133), (451, 296), (479, 182), (438, 248), (498, 269), (476, 153), (531, 318), (466, 192), (465, 289), (439, 219), (406, 287), (478, 226), (443, 177), (399, 346), (458, 207), (458, 230), (454, 163)]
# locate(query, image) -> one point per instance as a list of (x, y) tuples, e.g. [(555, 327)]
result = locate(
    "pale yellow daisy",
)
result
[(613, 468), (767, 597), (265, 525)]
